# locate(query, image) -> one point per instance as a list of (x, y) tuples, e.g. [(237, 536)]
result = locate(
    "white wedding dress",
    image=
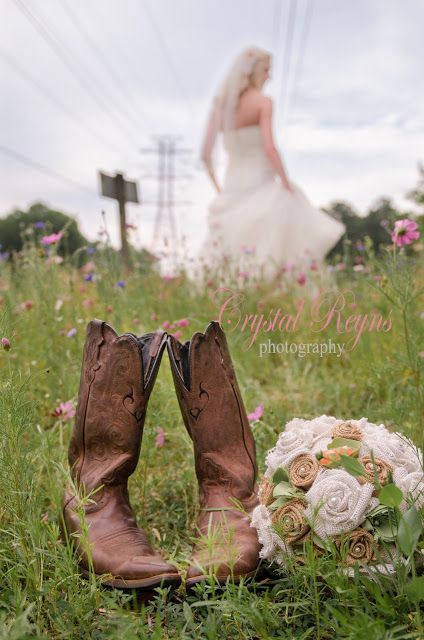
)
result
[(255, 216)]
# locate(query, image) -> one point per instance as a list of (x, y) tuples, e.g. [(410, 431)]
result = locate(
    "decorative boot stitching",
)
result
[(203, 396), (130, 399)]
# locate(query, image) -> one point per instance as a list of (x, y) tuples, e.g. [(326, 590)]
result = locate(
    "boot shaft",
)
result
[(117, 376), (214, 415)]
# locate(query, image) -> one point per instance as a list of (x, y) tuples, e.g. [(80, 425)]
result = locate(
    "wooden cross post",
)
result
[(117, 188)]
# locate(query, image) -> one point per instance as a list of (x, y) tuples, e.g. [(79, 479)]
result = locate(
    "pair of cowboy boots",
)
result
[(118, 374)]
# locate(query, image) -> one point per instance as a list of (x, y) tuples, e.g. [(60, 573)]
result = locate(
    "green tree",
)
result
[(374, 225), (20, 226)]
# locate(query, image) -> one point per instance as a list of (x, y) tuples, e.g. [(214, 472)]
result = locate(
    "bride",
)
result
[(258, 210)]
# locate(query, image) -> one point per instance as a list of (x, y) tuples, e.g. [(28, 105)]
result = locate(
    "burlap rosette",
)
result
[(303, 471), (347, 430), (357, 546), (290, 521), (376, 466), (265, 492)]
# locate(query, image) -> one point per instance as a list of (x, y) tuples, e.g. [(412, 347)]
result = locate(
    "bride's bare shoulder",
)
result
[(266, 101), (262, 101), (254, 95)]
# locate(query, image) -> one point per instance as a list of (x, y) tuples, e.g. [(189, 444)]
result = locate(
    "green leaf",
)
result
[(410, 527), (415, 589), (280, 475), (279, 502), (386, 532), (390, 495), (321, 543), (283, 488), (380, 511), (352, 466), (382, 521), (344, 442)]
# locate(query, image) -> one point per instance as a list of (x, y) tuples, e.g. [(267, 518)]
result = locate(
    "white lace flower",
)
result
[(297, 424), (318, 426), (261, 520), (289, 445), (323, 425), (393, 448), (321, 444), (411, 485), (337, 503)]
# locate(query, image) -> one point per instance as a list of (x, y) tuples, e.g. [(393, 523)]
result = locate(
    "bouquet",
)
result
[(349, 486)]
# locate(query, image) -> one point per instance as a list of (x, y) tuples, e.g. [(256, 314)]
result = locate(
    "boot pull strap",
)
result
[(176, 352), (155, 344)]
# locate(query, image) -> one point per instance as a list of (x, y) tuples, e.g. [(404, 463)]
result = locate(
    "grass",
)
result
[(42, 593)]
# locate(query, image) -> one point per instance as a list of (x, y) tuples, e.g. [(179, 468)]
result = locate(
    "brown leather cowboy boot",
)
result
[(224, 453), (118, 373)]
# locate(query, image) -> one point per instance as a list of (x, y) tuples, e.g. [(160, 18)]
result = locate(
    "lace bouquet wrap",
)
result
[(349, 486)]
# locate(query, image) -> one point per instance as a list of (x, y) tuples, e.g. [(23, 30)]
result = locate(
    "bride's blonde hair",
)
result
[(222, 113), (238, 79)]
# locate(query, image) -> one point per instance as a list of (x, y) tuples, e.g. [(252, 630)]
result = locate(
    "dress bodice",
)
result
[(248, 166)]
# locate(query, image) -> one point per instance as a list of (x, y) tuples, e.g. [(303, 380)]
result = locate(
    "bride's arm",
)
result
[(208, 145), (265, 123)]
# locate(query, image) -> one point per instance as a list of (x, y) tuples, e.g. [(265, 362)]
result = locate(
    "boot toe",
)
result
[(140, 567)]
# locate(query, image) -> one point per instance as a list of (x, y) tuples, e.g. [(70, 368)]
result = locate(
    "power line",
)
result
[(50, 40), (300, 57), (276, 23), (53, 99), (169, 57), (288, 52), (98, 53), (43, 169)]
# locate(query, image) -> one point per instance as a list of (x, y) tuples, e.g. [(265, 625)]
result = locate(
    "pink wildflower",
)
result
[(313, 266), (53, 238), (182, 323), (405, 232), (167, 277), (166, 324), (301, 278), (177, 334), (88, 267), (154, 317), (257, 413), (65, 410), (289, 266), (27, 305), (160, 437), (5, 343)]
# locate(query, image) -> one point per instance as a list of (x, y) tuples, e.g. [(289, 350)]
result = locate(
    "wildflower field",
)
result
[(45, 304)]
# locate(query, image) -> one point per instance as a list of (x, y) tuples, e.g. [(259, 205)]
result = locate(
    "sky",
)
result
[(347, 86)]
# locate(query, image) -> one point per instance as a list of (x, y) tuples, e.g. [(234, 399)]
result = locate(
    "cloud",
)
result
[(354, 132)]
